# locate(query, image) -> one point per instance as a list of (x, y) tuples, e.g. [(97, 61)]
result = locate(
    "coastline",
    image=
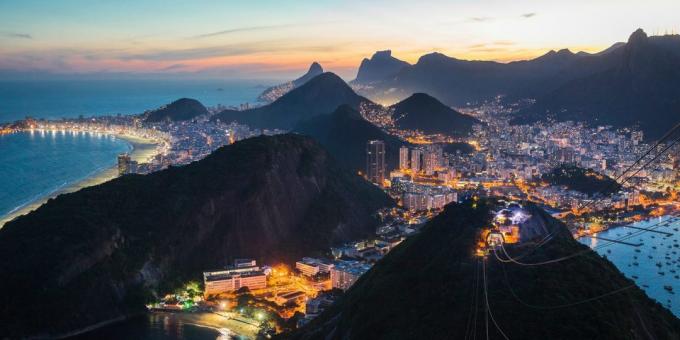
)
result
[(219, 323), (141, 151)]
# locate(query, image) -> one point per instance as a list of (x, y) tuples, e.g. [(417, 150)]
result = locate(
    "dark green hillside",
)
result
[(344, 134), (425, 113), (97, 254), (432, 287), (179, 110), (587, 181)]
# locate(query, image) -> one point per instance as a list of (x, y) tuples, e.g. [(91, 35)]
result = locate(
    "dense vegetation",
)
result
[(344, 134), (587, 181), (179, 110), (320, 95), (432, 287), (425, 113), (98, 253), (462, 147)]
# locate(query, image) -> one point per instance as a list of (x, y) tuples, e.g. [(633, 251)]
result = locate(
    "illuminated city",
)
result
[(340, 170)]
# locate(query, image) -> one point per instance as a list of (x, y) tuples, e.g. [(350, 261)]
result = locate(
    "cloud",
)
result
[(192, 53), (16, 35), (222, 51), (175, 67), (528, 15), (496, 44), (480, 19), (242, 29)]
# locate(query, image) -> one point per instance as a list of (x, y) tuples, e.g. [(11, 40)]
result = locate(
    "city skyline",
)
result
[(273, 40)]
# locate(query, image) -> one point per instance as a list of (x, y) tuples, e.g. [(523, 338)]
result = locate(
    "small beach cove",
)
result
[(169, 326), (36, 166)]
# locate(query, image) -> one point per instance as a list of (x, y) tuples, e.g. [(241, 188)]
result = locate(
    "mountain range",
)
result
[(320, 95), (640, 86), (179, 110), (630, 83), (432, 287), (100, 253), (275, 92)]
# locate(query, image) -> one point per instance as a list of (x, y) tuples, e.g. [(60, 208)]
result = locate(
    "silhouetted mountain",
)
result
[(425, 113), (432, 287), (457, 82), (100, 253), (315, 69), (344, 134), (382, 65), (635, 82), (275, 92), (179, 110), (641, 85), (321, 95)]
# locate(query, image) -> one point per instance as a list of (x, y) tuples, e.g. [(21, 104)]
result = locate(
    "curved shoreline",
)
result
[(209, 320), (142, 150)]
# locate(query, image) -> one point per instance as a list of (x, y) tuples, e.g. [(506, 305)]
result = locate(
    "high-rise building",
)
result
[(403, 158), (375, 161), (430, 162), (124, 163), (415, 159), (637, 137)]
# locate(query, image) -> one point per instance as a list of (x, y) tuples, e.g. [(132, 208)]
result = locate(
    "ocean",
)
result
[(653, 265), (54, 99), (158, 326), (33, 166)]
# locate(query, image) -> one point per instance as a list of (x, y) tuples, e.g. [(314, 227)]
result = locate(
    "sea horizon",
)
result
[(55, 99)]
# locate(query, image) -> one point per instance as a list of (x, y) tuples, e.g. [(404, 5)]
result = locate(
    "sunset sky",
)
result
[(257, 39)]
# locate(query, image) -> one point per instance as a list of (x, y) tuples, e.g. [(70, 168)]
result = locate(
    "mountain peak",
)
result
[(423, 112), (381, 66), (327, 78), (639, 36), (315, 67), (385, 54)]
